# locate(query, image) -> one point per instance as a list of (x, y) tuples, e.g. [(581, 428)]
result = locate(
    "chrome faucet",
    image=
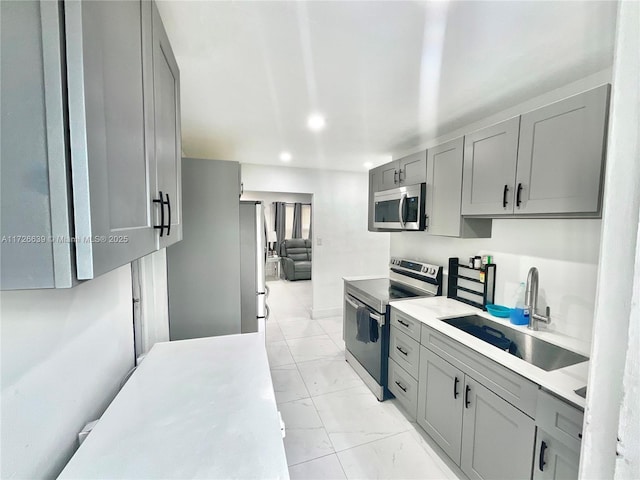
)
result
[(531, 301)]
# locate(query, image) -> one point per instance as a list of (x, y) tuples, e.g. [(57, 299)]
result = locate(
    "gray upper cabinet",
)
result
[(94, 130), (548, 162), (490, 158), (496, 436), (36, 222), (561, 155), (167, 139), (412, 169), (109, 119), (388, 176), (444, 194)]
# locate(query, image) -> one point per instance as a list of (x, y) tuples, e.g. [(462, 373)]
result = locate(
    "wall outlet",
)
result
[(319, 241)]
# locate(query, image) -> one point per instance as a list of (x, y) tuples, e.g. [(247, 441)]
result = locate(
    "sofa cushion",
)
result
[(296, 257), (303, 266)]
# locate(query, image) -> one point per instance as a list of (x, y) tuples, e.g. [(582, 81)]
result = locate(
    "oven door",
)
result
[(369, 355), (400, 208)]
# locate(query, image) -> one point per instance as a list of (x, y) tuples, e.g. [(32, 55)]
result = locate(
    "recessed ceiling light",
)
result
[(316, 122), (285, 157), (367, 164)]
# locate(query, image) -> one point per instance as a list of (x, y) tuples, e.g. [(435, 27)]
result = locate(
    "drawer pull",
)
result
[(402, 351), (402, 387), (541, 462), (580, 436), (403, 323), (467, 402), (455, 387)]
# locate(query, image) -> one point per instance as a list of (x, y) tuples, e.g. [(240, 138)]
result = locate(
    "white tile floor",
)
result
[(336, 428)]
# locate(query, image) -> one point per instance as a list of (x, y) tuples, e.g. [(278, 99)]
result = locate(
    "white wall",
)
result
[(564, 251), (64, 353), (342, 245)]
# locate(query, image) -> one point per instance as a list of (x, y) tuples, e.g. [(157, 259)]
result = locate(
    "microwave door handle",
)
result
[(377, 318), (403, 198)]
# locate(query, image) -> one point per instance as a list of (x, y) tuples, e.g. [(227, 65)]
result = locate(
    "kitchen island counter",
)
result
[(202, 408)]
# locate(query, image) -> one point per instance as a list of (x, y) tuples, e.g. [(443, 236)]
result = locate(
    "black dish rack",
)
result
[(483, 293)]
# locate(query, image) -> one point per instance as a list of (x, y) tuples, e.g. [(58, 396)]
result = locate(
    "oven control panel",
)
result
[(421, 268)]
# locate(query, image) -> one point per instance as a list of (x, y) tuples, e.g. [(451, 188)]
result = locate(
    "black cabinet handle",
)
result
[(161, 226), (580, 436), (404, 352), (395, 176), (541, 462), (169, 212), (403, 323), (467, 389), (455, 387), (518, 201), (504, 196), (402, 387), (400, 175)]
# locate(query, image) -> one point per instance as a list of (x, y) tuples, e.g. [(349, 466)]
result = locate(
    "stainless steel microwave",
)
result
[(400, 208)]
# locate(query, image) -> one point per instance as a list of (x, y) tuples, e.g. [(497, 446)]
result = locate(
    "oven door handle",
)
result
[(376, 317)]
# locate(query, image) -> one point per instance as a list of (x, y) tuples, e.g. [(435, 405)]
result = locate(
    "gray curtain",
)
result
[(280, 221), (297, 221)]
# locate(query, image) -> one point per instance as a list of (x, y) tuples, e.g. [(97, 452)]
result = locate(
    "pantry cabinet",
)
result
[(547, 162), (90, 133)]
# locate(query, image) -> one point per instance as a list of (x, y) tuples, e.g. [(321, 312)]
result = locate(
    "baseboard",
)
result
[(326, 312)]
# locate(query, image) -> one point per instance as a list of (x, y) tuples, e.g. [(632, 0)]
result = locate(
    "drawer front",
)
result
[(405, 351), (560, 420), (515, 389), (404, 387), (406, 324)]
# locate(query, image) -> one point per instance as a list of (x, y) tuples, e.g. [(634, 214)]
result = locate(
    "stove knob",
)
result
[(424, 269)]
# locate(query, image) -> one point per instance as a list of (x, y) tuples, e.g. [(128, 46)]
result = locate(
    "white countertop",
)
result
[(201, 408), (562, 382), (363, 277)]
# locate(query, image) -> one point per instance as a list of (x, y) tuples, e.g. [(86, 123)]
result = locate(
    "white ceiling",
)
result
[(388, 76)]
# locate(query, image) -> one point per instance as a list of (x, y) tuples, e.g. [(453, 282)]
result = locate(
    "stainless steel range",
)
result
[(366, 316)]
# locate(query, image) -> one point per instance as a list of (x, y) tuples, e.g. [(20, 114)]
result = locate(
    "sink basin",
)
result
[(537, 352)]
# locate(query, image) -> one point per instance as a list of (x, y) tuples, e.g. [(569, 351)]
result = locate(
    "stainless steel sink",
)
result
[(542, 354)]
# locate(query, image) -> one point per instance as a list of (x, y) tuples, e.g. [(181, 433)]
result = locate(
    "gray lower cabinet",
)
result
[(404, 387), (440, 402), (496, 437), (561, 156), (553, 460), (490, 158), (444, 194), (488, 437), (81, 154)]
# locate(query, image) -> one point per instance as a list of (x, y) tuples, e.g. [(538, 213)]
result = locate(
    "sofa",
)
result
[(295, 255)]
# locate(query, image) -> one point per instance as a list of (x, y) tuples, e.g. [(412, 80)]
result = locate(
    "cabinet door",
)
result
[(490, 157), (444, 188), (111, 128), (561, 155), (440, 402), (389, 176), (497, 438), (168, 148), (375, 180), (553, 460), (35, 220), (412, 169)]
